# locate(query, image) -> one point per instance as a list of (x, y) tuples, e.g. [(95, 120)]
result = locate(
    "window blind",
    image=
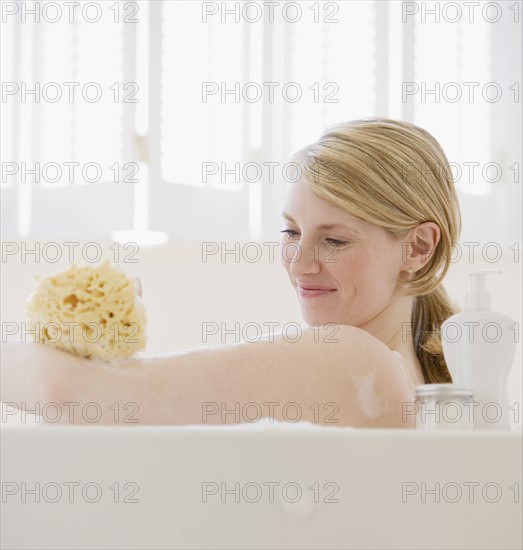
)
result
[(168, 146)]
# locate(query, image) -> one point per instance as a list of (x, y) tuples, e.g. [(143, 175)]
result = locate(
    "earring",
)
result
[(410, 270)]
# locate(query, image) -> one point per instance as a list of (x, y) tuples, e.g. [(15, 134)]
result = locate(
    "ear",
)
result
[(421, 243)]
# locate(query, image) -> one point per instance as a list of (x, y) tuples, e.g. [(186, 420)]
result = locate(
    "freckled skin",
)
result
[(363, 271)]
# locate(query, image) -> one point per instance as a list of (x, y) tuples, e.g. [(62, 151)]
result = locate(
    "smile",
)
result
[(312, 292)]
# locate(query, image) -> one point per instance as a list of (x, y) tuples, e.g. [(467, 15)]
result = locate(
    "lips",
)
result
[(315, 287), (313, 291)]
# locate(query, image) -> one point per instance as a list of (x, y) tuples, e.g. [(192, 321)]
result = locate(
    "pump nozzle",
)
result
[(478, 297)]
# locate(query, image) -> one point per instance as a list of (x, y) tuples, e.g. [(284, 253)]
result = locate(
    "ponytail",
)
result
[(428, 313)]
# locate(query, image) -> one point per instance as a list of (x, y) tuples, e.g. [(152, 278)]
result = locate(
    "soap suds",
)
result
[(367, 398)]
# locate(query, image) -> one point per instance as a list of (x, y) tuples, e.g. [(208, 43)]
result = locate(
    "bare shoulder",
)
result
[(344, 342), (368, 374)]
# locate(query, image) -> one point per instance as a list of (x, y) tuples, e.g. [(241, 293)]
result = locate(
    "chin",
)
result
[(318, 318)]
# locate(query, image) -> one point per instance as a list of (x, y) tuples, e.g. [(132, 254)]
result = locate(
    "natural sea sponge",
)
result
[(91, 311)]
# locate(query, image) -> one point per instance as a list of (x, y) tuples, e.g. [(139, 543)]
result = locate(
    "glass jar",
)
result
[(444, 407)]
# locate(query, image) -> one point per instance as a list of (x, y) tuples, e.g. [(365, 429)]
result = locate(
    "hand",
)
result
[(35, 376), (34, 373), (138, 284)]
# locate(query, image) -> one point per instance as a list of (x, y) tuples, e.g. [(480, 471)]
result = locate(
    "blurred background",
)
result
[(177, 130), (162, 132)]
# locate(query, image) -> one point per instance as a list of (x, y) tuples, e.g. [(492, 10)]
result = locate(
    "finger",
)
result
[(138, 284)]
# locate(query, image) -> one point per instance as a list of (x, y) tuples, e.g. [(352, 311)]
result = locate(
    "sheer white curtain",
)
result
[(179, 140)]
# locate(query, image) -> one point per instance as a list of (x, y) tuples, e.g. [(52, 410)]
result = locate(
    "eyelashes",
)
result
[(289, 232), (333, 243)]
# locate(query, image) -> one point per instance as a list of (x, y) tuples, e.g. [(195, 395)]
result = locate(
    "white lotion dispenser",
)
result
[(479, 346)]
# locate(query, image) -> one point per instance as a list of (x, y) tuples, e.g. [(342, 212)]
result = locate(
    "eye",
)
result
[(290, 233), (335, 243)]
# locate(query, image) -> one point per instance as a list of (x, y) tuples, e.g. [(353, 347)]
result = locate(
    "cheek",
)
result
[(362, 274), (381, 270), (284, 261), (353, 269)]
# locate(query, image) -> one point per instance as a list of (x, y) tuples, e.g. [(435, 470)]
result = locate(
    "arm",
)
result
[(358, 375)]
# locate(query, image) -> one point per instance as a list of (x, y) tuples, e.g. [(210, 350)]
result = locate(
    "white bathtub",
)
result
[(373, 488)]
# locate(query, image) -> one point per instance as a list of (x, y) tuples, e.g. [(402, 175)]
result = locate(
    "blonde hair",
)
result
[(395, 175)]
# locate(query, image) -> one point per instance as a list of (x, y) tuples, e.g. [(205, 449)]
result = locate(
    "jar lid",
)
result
[(443, 390)]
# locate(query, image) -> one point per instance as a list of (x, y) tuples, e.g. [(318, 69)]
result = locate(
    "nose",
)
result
[(303, 258)]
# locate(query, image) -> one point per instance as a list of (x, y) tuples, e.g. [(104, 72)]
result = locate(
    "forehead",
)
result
[(304, 207)]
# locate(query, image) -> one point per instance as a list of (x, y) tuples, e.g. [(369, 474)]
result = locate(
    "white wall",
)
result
[(181, 292)]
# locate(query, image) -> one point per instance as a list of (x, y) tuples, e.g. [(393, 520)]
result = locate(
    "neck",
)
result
[(393, 327), (393, 324)]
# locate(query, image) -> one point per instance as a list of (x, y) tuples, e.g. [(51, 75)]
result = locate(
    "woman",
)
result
[(368, 228)]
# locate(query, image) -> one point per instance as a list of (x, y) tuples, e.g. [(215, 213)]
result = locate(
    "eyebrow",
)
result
[(326, 225)]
